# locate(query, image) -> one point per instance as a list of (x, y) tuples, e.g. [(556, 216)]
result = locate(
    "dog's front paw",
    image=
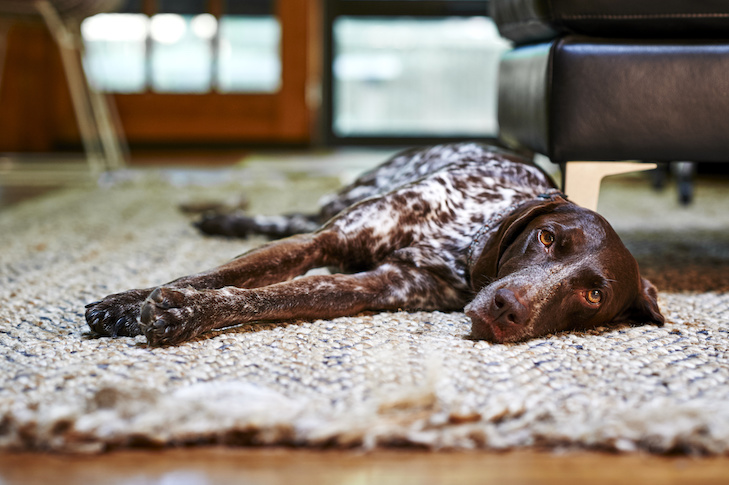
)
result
[(117, 314), (168, 318)]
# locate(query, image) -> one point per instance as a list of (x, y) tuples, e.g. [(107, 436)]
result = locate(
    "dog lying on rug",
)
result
[(453, 227)]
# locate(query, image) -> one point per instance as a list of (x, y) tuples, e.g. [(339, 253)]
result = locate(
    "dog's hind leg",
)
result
[(237, 224), (170, 315)]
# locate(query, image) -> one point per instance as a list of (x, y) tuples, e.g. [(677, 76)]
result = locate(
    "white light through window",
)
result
[(167, 28), (204, 26), (115, 51), (173, 53)]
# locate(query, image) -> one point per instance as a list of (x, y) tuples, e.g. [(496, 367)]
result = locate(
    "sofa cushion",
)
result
[(526, 21), (583, 98)]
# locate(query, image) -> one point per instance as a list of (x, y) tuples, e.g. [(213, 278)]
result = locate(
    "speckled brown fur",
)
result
[(431, 229)]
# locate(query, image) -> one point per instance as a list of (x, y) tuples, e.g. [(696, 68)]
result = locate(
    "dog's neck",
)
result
[(492, 224)]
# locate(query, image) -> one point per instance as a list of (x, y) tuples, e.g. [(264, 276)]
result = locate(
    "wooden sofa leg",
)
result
[(582, 179)]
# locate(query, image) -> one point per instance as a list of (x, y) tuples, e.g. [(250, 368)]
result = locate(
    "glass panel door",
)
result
[(410, 71), (206, 71), (415, 76)]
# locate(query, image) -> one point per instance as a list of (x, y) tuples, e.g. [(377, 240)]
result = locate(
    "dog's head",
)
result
[(555, 266)]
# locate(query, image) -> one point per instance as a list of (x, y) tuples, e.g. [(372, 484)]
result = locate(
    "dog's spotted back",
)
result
[(487, 172)]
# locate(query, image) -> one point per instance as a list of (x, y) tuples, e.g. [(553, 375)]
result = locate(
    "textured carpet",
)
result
[(371, 380)]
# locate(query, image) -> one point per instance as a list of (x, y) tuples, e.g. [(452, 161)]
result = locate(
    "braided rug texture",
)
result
[(387, 379)]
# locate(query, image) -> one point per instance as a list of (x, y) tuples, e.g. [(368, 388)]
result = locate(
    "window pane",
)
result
[(182, 55), (418, 77), (249, 54), (115, 51)]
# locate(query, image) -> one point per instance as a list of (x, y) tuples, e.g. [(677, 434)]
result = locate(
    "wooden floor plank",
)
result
[(211, 465)]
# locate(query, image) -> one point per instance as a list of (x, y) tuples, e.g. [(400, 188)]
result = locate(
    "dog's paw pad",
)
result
[(167, 298), (166, 317)]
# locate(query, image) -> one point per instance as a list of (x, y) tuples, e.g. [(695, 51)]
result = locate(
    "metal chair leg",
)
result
[(107, 122), (100, 139), (684, 172)]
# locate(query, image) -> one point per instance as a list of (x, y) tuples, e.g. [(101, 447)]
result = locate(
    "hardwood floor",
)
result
[(211, 465)]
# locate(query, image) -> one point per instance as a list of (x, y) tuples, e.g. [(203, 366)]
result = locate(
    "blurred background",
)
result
[(89, 86), (236, 74)]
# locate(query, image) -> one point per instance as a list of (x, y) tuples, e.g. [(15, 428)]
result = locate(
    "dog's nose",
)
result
[(507, 309)]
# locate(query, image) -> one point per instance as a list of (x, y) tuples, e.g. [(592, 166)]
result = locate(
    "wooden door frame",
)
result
[(38, 116), (230, 118)]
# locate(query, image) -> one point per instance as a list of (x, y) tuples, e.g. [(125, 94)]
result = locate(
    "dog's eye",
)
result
[(546, 238), (594, 296)]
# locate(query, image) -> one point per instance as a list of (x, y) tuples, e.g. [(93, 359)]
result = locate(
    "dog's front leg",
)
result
[(118, 314), (171, 316)]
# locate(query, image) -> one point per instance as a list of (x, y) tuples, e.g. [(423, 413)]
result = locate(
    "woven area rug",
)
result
[(388, 379)]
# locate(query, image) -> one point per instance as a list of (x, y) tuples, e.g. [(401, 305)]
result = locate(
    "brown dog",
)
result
[(442, 228)]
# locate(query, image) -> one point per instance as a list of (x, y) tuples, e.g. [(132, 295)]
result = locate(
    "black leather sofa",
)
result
[(605, 80)]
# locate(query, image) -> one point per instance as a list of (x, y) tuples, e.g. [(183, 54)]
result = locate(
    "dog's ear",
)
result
[(644, 309), (487, 264)]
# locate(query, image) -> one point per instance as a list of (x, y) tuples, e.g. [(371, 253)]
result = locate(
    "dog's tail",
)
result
[(237, 224)]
